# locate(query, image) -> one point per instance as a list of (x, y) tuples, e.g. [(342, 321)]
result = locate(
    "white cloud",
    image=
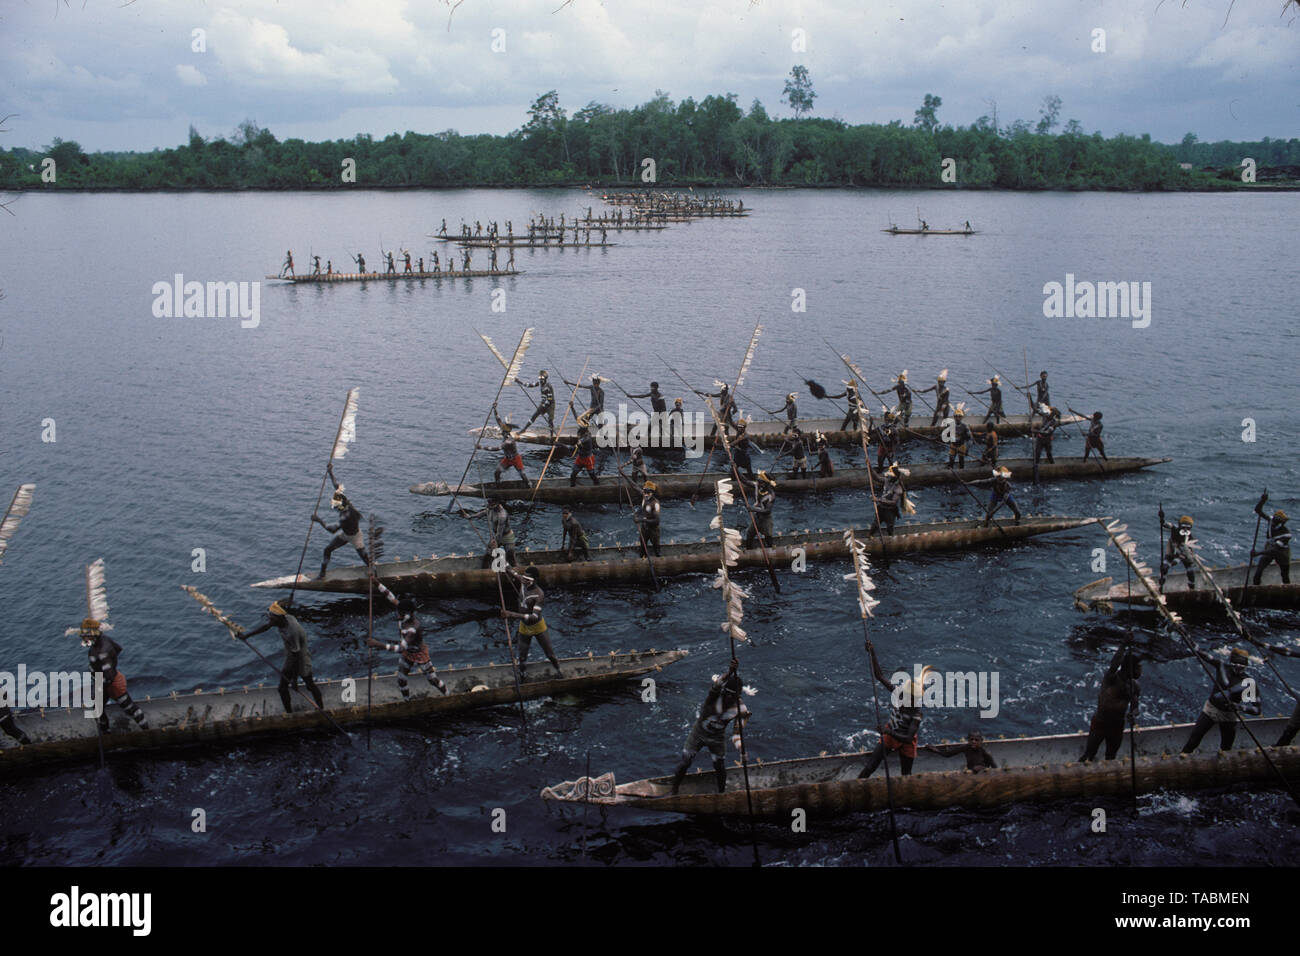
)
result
[(190, 75)]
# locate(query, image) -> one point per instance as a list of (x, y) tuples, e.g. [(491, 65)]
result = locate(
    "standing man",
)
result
[(1094, 438), (531, 623), (904, 725), (573, 538), (994, 392), (103, 652), (348, 529), (287, 267), (1179, 549), (722, 705), (410, 644), (547, 405), (297, 658), (942, 398), (1277, 546), (1225, 701), (647, 518), (1000, 495), (761, 509), (1117, 702)]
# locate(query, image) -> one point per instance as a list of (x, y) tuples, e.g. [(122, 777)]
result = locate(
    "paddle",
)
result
[(640, 529), (374, 536), (740, 379), (514, 662), (866, 602)]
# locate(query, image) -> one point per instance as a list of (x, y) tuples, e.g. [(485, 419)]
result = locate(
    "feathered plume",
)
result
[(212, 609), (517, 362), (815, 389), (1127, 547), (347, 427), (495, 351), (96, 597), (18, 508), (97, 592), (729, 539), (853, 368), (858, 550), (749, 356)]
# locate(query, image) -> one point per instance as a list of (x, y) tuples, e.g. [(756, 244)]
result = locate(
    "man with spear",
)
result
[(348, 529), (1117, 702), (410, 644), (297, 658), (722, 705), (547, 405), (1000, 495), (531, 623), (994, 392), (1277, 545)]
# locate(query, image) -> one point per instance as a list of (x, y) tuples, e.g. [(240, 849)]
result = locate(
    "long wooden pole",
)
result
[(517, 359), (338, 433)]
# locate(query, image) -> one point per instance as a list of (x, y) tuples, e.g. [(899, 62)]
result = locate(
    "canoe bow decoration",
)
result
[(582, 788), (729, 540), (14, 514)]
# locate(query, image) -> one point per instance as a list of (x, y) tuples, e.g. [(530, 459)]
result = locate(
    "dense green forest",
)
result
[(712, 141)]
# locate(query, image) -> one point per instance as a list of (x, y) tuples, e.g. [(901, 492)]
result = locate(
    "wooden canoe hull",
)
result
[(1270, 593), (771, 434), (463, 574), (679, 485), (828, 786), (394, 276), (930, 232), (233, 715)]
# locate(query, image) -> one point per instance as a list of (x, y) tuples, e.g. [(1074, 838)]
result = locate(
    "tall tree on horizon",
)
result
[(799, 91)]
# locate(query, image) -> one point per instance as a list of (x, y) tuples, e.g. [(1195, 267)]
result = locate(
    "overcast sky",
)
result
[(119, 75)]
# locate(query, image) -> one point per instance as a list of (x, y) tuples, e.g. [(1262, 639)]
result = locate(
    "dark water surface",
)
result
[(176, 434)]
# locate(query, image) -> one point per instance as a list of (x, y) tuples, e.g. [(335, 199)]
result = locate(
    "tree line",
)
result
[(708, 142)]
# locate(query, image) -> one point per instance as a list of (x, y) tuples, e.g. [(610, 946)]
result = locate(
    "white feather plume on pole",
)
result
[(347, 426), (729, 539), (517, 363), (96, 596), (495, 351), (749, 355), (17, 510), (861, 565)]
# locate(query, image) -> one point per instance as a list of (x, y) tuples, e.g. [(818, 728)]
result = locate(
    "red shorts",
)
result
[(588, 462), (417, 657), (907, 749), (516, 462), (117, 686)]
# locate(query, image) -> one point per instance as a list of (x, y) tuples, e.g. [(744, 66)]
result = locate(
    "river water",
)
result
[(175, 434)]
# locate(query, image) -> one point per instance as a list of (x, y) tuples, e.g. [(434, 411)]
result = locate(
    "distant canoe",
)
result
[(622, 564), (1029, 769), (1271, 592), (895, 231), (394, 276), (526, 244), (685, 485), (771, 433), (231, 715)]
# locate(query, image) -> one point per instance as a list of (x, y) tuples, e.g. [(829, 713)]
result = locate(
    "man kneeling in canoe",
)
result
[(977, 756), (722, 705), (904, 719), (297, 659)]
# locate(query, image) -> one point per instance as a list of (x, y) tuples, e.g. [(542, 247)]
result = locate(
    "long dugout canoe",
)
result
[(771, 434), (1029, 769), (685, 485), (394, 276), (622, 564), (1271, 592), (930, 232), (232, 715)]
